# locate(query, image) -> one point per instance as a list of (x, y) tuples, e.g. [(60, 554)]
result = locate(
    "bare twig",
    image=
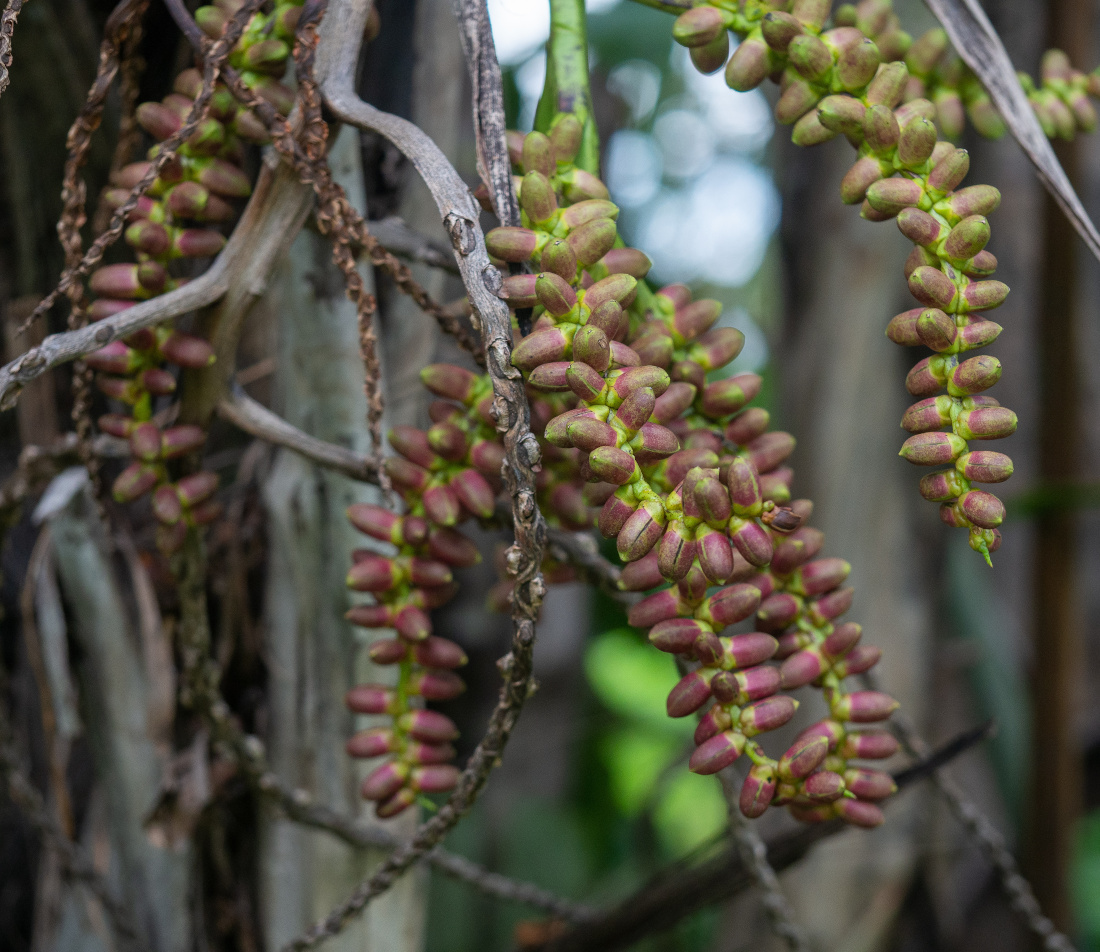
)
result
[(241, 268), (945, 754), (680, 891), (254, 418), (7, 31), (988, 838), (297, 807), (398, 238), (503, 887), (58, 349), (582, 551), (754, 857), (489, 123)]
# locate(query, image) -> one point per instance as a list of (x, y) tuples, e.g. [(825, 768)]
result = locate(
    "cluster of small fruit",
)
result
[(693, 488), (177, 219), (444, 475), (840, 81)]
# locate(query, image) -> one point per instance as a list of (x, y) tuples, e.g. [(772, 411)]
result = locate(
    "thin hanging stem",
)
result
[(566, 88)]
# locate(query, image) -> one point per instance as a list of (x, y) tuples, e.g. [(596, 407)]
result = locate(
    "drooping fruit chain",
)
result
[(177, 220)]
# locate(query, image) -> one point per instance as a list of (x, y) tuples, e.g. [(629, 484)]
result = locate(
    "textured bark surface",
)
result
[(439, 105), (129, 736), (314, 654)]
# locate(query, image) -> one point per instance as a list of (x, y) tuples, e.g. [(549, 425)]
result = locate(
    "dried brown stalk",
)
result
[(123, 25), (331, 221), (7, 31), (212, 70)]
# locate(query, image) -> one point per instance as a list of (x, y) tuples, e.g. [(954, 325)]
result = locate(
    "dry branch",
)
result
[(241, 268), (680, 891), (257, 420), (489, 122), (459, 211), (7, 31), (754, 857), (987, 837), (398, 238), (58, 349), (297, 806)]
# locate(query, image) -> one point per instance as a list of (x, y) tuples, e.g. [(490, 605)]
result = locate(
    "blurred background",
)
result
[(721, 200), (594, 797)]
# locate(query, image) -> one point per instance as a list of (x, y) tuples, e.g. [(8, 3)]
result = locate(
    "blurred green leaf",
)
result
[(691, 812), (1086, 880), (633, 679), (634, 760)]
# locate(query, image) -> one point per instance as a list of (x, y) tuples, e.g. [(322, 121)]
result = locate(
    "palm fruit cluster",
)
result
[(444, 475), (177, 220), (773, 576), (795, 601), (692, 487), (576, 238), (1060, 99), (839, 82), (949, 275), (801, 609), (260, 56)]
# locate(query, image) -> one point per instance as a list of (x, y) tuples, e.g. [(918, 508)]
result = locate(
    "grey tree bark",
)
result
[(314, 656)]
